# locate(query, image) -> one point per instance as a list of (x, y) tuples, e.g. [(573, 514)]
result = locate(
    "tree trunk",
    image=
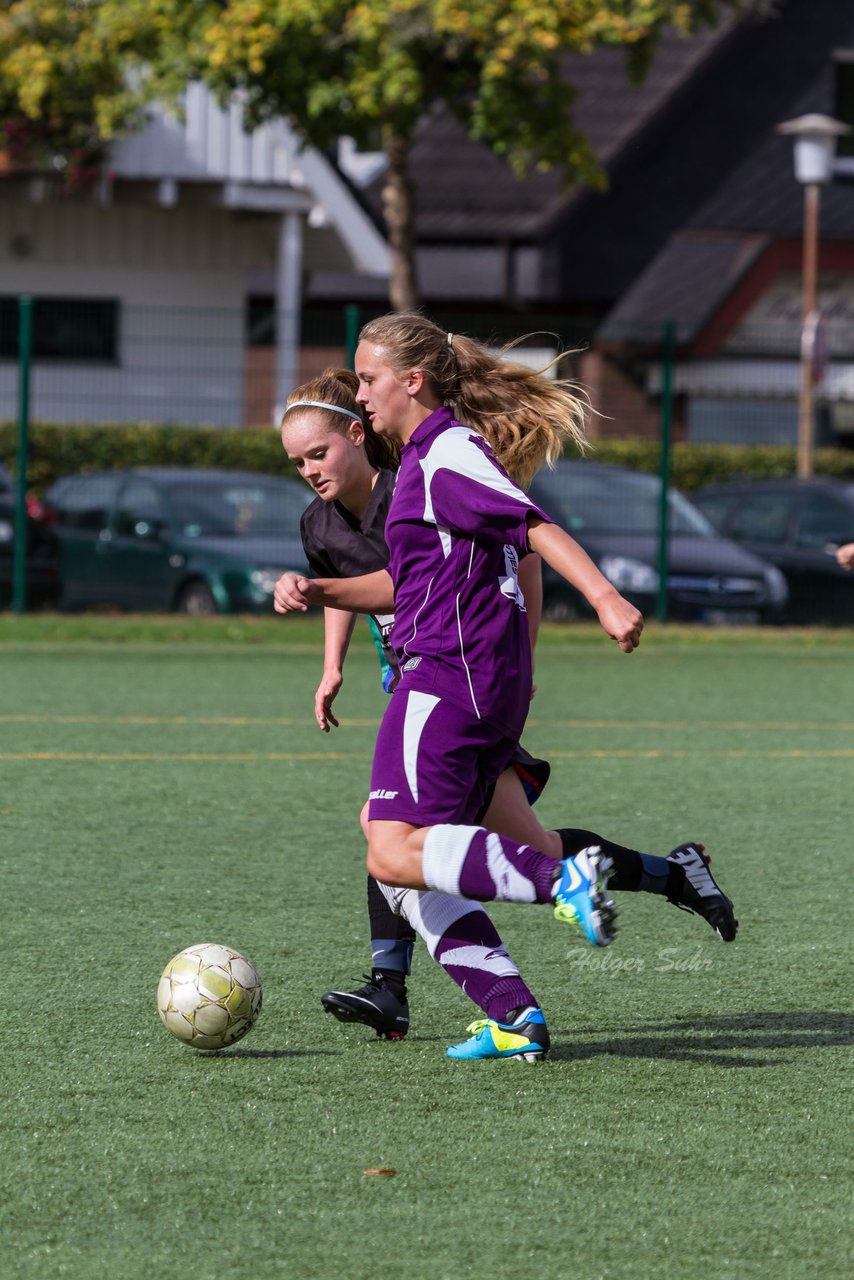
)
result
[(398, 200)]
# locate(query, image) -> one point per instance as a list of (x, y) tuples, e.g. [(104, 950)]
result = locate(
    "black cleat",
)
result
[(697, 891), (374, 1004)]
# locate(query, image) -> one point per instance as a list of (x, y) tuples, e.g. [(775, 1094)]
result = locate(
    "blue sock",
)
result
[(392, 953)]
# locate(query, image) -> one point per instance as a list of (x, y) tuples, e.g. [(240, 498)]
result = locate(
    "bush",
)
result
[(64, 450)]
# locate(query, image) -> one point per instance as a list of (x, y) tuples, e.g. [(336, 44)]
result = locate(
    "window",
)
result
[(84, 504), (823, 521), (762, 518), (843, 108), (717, 506), (139, 513), (79, 329)]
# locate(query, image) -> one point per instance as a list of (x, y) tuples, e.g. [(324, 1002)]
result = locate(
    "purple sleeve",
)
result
[(471, 495)]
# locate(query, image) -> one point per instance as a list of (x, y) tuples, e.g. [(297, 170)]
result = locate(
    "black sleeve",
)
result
[(318, 561)]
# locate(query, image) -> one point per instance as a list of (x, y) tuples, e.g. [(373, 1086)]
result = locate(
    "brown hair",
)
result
[(526, 418), (338, 387)]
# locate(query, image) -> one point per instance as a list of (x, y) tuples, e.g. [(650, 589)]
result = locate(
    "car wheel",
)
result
[(197, 598)]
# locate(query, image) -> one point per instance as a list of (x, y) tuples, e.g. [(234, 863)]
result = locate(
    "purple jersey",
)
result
[(456, 530)]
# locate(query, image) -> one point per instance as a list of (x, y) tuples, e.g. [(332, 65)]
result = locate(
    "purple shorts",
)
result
[(434, 762)]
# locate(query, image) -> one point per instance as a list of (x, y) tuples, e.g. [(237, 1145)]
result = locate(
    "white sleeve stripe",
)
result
[(456, 451)]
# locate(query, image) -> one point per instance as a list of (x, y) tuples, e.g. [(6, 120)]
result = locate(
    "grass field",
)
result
[(163, 784)]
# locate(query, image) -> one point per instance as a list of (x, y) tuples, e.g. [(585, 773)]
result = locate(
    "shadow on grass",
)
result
[(711, 1041)]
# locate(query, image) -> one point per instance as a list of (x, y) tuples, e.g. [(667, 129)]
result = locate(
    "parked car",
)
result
[(797, 525), (161, 538), (42, 561), (614, 514)]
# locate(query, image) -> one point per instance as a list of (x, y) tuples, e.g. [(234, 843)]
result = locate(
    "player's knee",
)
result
[(379, 866), (385, 846)]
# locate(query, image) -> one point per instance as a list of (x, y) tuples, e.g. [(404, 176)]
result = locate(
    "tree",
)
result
[(371, 69)]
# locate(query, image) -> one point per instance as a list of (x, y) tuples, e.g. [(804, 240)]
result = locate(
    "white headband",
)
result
[(321, 404)]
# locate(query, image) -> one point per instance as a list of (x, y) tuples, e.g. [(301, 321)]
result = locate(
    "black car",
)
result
[(175, 538), (796, 525), (42, 559), (614, 514)]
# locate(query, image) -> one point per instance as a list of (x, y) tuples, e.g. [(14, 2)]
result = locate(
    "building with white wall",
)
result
[(141, 283)]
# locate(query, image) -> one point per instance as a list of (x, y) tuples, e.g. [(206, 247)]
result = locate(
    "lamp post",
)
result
[(815, 146)]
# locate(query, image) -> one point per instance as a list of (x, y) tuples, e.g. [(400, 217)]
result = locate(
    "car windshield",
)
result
[(593, 501), (238, 509)]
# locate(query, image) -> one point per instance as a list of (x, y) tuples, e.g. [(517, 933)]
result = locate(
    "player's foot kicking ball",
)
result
[(526, 1039), (581, 896), (697, 890), (374, 1004)]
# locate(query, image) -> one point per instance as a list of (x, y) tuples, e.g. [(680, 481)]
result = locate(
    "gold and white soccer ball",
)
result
[(209, 996)]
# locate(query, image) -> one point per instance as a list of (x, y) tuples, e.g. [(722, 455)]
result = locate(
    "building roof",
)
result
[(775, 73), (464, 191), (264, 170)]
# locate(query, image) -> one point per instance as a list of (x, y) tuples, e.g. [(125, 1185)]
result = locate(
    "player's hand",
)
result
[(290, 594), (621, 620), (845, 556), (327, 691)]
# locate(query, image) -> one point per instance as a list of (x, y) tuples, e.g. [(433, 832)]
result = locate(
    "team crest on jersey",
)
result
[(509, 582)]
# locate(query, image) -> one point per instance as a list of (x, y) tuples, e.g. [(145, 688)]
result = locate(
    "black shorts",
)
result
[(532, 772)]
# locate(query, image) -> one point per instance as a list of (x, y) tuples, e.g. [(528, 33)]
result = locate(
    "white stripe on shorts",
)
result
[(418, 709)]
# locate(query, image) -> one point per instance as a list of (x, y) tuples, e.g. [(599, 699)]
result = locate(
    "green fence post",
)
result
[(352, 317), (19, 564), (668, 344)]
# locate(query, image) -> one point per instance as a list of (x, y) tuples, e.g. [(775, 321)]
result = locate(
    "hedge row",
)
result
[(64, 450)]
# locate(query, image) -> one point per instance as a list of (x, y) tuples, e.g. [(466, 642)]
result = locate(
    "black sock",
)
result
[(393, 979), (627, 862), (513, 1014)]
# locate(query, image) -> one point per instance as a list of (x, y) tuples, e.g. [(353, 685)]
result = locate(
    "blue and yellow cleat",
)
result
[(581, 896), (526, 1039)]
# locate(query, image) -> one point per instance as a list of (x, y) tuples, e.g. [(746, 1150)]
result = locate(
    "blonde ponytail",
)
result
[(526, 418)]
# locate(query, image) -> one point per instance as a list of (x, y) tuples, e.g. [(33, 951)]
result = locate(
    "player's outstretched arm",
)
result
[(337, 632), (370, 593), (620, 619)]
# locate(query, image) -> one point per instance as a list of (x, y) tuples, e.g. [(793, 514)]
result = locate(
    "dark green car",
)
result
[(169, 538)]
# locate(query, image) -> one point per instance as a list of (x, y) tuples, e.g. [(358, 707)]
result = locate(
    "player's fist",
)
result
[(290, 594)]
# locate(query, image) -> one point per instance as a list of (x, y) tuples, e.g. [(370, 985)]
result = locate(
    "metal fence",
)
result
[(97, 360)]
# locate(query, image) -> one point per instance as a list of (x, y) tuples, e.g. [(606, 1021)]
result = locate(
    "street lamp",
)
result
[(815, 146)]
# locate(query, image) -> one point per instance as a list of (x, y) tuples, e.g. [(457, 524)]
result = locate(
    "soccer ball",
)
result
[(209, 996)]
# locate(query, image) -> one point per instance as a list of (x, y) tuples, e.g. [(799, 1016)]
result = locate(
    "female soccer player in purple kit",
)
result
[(457, 529), (352, 471)]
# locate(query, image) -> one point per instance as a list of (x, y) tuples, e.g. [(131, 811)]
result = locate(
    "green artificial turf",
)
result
[(163, 784)]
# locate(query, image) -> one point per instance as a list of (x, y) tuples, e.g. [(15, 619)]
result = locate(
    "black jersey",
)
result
[(339, 545)]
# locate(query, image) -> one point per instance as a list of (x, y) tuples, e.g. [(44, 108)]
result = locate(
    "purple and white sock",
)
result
[(470, 862), (462, 938)]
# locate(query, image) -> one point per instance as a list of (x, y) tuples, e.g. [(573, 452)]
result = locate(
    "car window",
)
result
[(238, 509), (585, 500), (139, 511), (824, 520), (86, 503), (717, 506), (762, 517)]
